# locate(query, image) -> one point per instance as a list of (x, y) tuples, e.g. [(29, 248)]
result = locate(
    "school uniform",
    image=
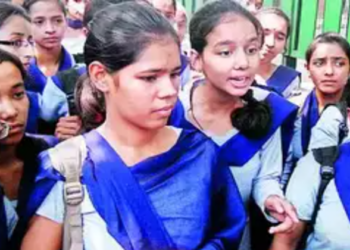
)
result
[(306, 121), (13, 214), (332, 226), (284, 81), (37, 80), (180, 199), (255, 164)]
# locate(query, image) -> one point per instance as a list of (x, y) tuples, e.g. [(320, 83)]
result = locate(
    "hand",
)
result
[(284, 212), (68, 127)]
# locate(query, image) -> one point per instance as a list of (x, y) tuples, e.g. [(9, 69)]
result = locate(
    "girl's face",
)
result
[(230, 59), (329, 68), (75, 9), (14, 103), (16, 38), (275, 31), (165, 7), (48, 24), (144, 93)]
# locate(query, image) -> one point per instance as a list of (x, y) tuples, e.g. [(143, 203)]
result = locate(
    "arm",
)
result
[(46, 228), (43, 234), (289, 241), (267, 191)]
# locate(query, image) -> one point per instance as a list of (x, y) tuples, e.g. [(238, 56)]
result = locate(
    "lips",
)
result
[(166, 111), (240, 81), (51, 39), (15, 129)]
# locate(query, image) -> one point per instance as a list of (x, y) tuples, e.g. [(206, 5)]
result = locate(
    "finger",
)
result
[(284, 227), (74, 118), (69, 125), (67, 131), (290, 211), (277, 216), (275, 206)]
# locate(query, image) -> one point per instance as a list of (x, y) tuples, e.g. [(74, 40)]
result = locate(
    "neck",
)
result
[(126, 134), (216, 101), (265, 69), (48, 57), (7, 155), (325, 99)]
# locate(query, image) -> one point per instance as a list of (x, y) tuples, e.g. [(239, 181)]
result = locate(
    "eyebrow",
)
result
[(17, 33), (229, 42), (18, 85), (178, 68)]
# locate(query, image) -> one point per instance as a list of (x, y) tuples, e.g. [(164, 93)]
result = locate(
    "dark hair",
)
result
[(211, 15), (8, 57), (8, 10), (253, 120), (89, 103), (95, 6), (117, 46), (278, 12), (27, 4), (328, 38)]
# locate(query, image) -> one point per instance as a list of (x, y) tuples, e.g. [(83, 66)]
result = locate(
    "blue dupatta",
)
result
[(181, 199), (309, 118), (342, 177), (37, 80), (282, 78)]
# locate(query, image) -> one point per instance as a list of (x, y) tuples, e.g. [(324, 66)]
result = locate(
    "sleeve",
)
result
[(303, 186), (54, 102), (294, 154), (11, 217), (267, 181), (228, 213), (53, 206)]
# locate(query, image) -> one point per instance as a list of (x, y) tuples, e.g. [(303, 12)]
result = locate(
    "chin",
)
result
[(239, 91), (12, 140)]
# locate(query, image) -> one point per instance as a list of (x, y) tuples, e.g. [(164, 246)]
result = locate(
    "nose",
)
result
[(7, 110), (270, 40), (329, 69), (169, 88), (241, 60), (50, 27), (28, 51)]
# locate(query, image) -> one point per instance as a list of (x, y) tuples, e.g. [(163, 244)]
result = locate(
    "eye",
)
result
[(17, 43), (252, 51), (149, 79), (317, 63), (38, 22), (339, 63), (175, 75), (225, 53), (59, 21), (18, 95)]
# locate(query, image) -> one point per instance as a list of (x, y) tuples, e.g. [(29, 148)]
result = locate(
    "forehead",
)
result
[(236, 29), (273, 22), (10, 76), (15, 24), (165, 5), (45, 9), (163, 54), (328, 50)]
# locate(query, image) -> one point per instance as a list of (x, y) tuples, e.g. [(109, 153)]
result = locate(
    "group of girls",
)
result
[(164, 168)]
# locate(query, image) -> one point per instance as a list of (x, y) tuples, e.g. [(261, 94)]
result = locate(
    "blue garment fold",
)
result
[(310, 116), (33, 112), (342, 177), (3, 223), (282, 78), (239, 149)]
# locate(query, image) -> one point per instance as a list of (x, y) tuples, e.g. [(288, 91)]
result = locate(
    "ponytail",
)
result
[(254, 119), (90, 103)]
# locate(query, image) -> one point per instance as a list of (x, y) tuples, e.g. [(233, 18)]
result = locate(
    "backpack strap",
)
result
[(68, 158)]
